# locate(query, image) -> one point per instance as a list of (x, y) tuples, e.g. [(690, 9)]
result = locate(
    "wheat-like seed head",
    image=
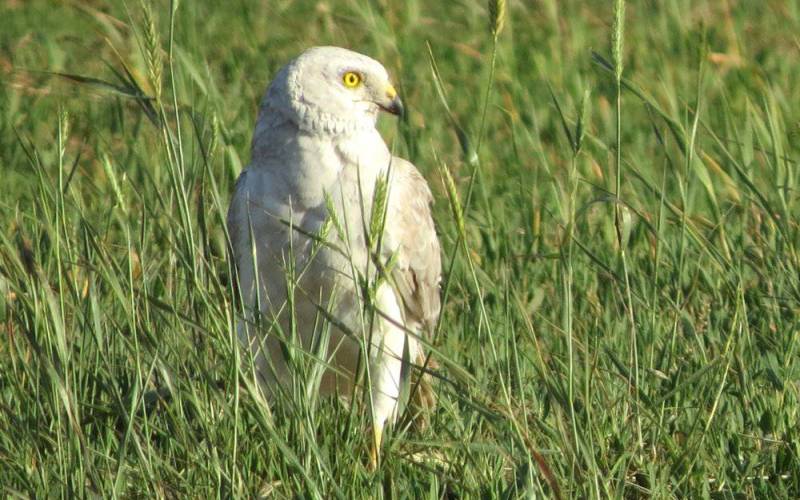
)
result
[(497, 16), (617, 37), (213, 142), (378, 215), (64, 126), (152, 48), (455, 201)]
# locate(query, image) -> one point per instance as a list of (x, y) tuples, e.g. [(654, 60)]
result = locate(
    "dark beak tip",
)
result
[(398, 108), (395, 107)]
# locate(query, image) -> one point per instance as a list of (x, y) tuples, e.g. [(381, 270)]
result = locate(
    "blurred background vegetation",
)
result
[(610, 330)]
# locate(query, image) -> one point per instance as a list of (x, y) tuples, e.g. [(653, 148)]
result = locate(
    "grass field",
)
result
[(621, 316)]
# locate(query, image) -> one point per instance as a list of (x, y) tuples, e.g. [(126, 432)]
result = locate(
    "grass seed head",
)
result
[(152, 48), (617, 36), (497, 16)]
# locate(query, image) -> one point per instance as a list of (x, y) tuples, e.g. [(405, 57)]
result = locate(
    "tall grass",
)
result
[(620, 250)]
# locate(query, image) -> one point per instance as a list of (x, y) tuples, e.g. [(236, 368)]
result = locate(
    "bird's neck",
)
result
[(314, 162)]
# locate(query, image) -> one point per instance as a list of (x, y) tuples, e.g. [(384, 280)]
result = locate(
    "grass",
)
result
[(620, 238)]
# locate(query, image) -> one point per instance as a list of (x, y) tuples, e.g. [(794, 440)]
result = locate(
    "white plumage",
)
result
[(316, 150)]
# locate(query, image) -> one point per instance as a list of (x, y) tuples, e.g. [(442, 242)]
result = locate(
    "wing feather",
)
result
[(410, 230)]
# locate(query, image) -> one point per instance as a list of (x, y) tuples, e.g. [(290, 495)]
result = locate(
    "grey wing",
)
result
[(417, 270)]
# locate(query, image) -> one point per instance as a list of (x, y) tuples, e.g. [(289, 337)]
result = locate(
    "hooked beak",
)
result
[(391, 103)]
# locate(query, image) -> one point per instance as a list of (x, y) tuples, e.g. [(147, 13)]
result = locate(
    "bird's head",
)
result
[(334, 89)]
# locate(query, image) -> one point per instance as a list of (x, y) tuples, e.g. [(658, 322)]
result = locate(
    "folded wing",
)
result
[(416, 273)]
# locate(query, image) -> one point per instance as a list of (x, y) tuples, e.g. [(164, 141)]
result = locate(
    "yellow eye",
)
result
[(351, 79)]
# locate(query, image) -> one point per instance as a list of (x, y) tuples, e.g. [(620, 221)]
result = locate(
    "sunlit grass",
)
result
[(620, 250)]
